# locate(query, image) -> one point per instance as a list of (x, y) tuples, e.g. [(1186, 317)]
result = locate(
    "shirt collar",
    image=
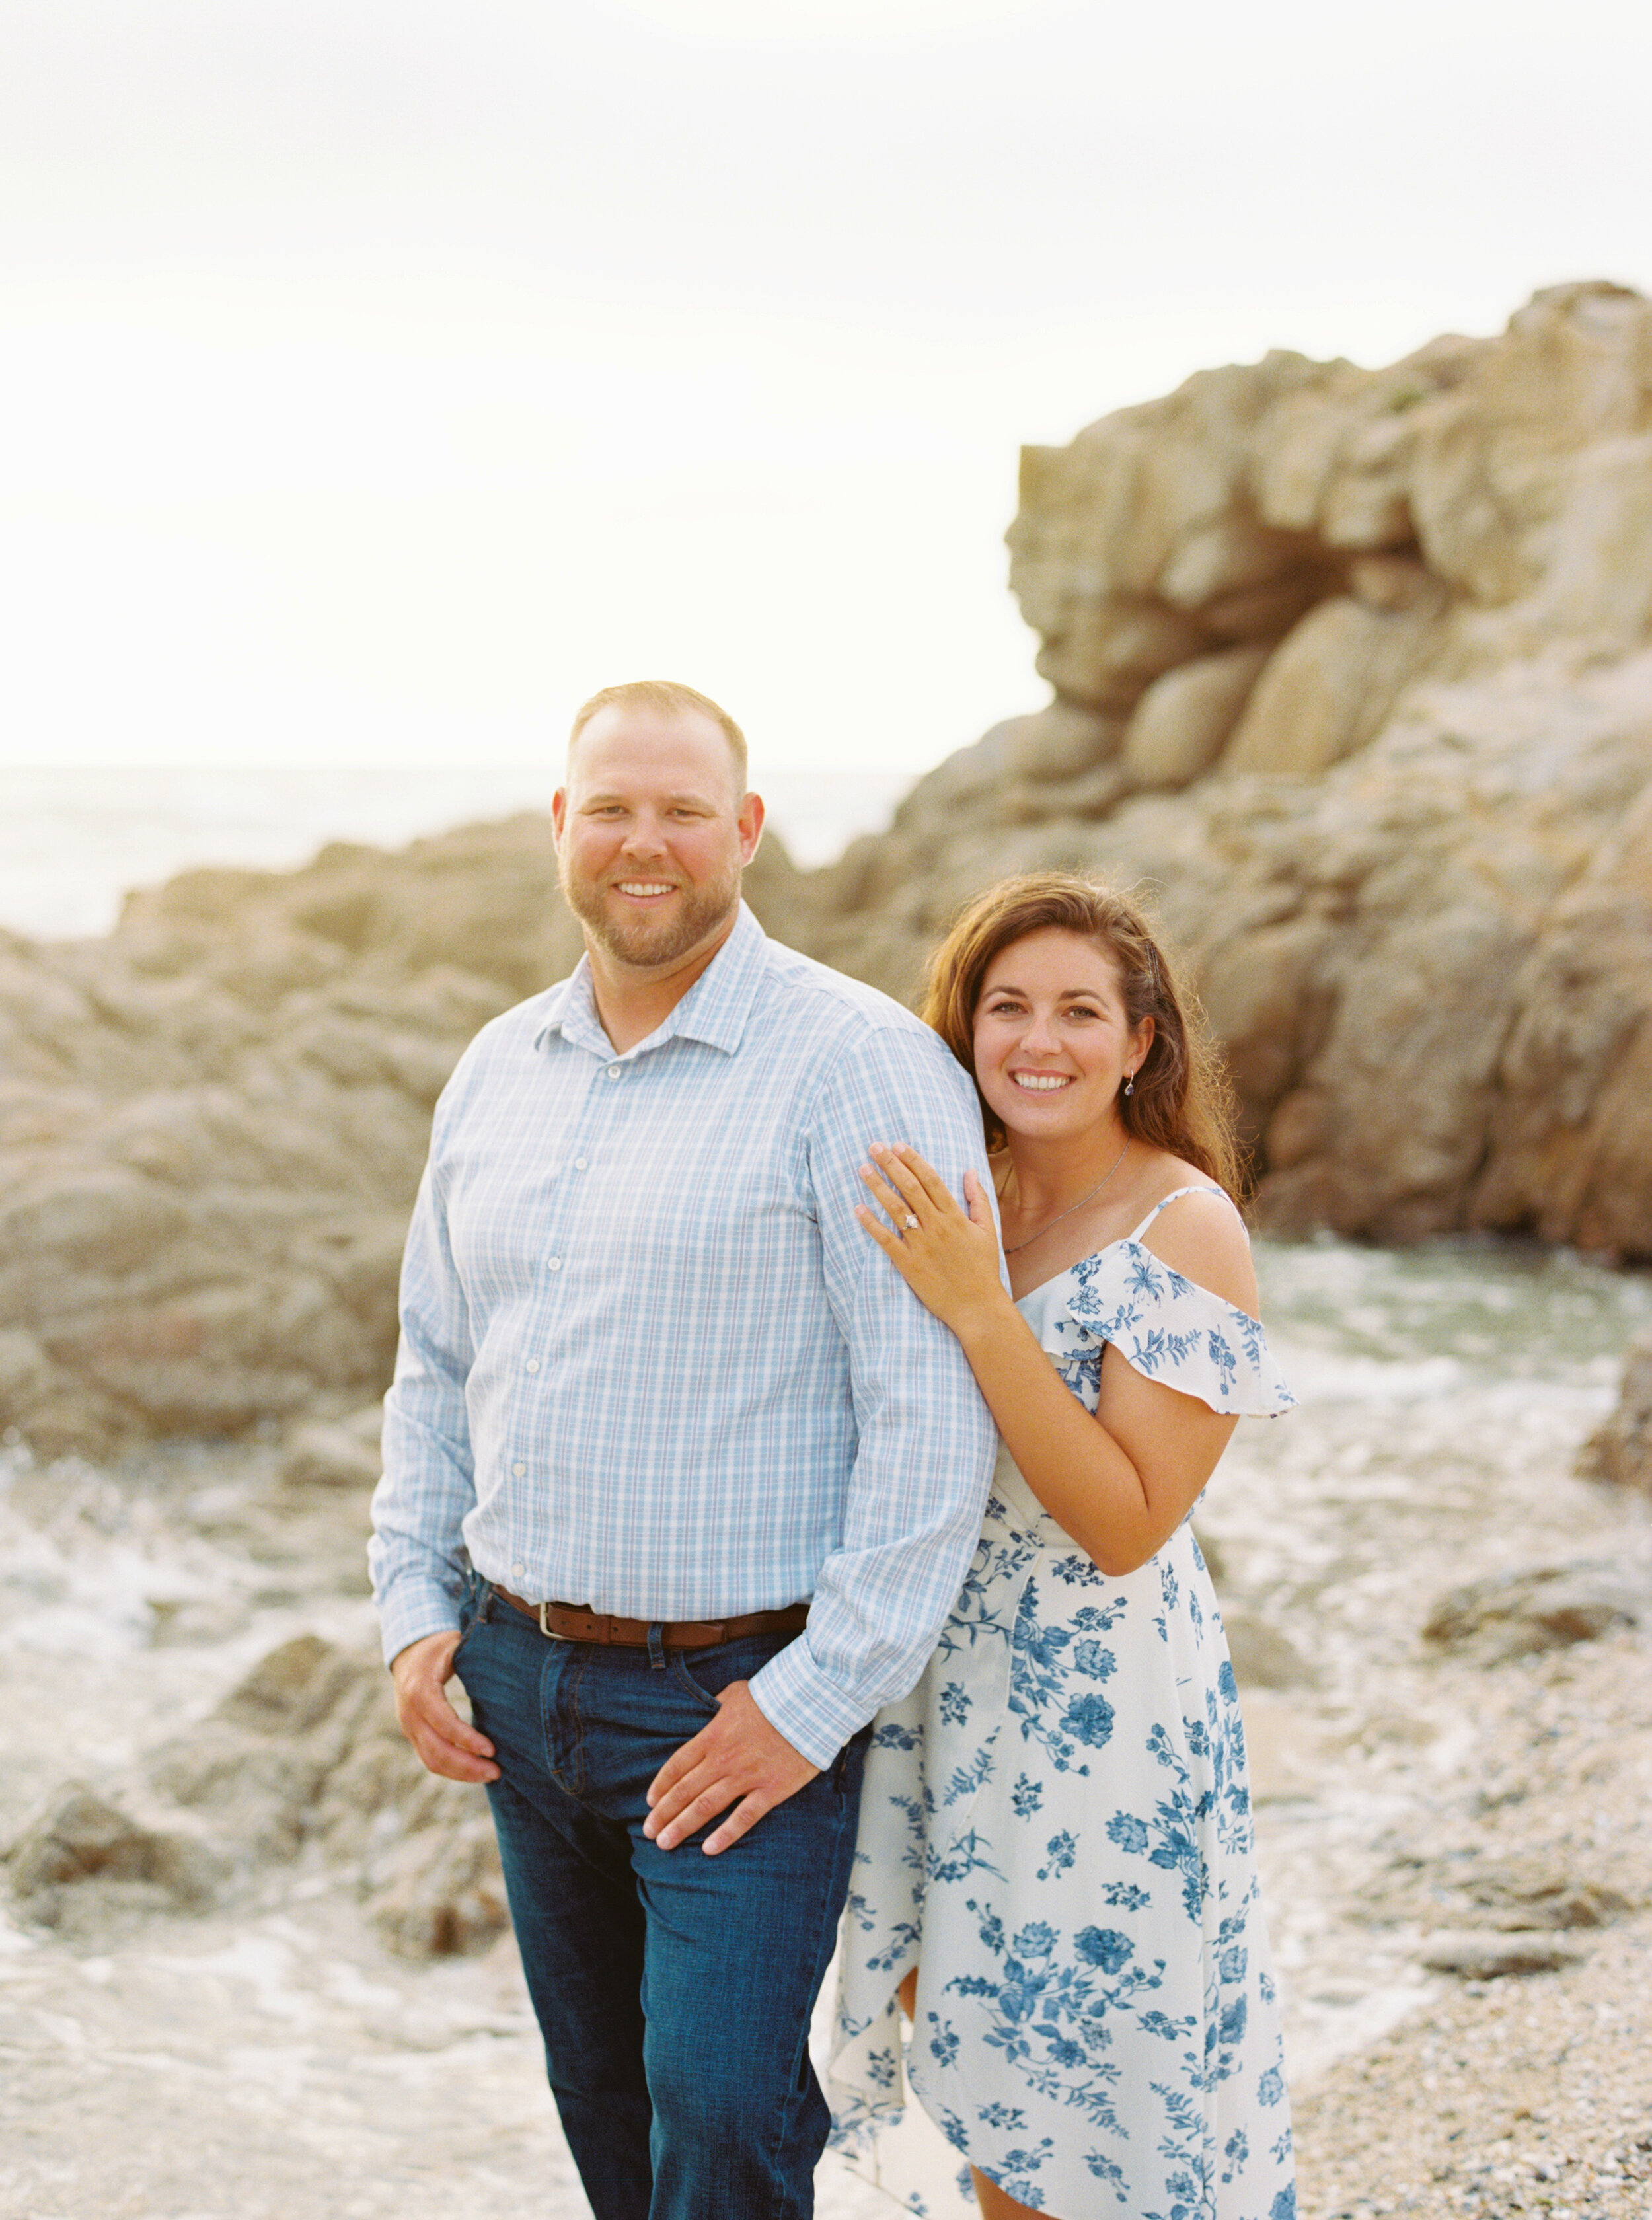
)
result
[(714, 1010)]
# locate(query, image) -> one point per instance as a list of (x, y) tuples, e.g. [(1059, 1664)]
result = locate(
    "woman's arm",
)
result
[(1120, 1480)]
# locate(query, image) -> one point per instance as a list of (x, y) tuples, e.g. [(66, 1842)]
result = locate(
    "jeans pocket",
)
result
[(706, 1673), (686, 1680)]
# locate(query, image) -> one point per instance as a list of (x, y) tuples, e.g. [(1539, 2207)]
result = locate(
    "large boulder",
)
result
[(1186, 718), (1327, 689), (80, 1849), (304, 1753), (1532, 1608), (1355, 523), (301, 1758)]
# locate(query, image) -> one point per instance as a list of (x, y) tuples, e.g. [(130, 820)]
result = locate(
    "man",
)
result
[(678, 1477)]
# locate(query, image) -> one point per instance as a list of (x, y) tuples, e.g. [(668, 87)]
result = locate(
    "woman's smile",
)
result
[(1050, 1023)]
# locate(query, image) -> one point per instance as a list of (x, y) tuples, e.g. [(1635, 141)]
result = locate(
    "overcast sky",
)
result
[(380, 380)]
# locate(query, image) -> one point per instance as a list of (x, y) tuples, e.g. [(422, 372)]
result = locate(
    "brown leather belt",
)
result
[(571, 1622)]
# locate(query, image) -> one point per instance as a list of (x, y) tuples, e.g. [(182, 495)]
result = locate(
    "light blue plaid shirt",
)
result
[(649, 1361)]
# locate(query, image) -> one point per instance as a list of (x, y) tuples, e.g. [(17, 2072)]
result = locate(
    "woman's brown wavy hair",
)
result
[(1183, 1099)]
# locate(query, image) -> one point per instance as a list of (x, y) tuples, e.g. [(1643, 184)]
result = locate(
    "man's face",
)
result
[(651, 835)]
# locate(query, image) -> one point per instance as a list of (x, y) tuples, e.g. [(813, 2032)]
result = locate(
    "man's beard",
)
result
[(654, 944)]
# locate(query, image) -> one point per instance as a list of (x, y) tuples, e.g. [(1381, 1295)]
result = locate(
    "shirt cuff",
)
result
[(413, 1609), (816, 1718)]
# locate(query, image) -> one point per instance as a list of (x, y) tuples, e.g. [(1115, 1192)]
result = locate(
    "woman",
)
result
[(1055, 1865)]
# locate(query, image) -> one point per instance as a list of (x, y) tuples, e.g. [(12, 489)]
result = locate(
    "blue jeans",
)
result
[(673, 1990)]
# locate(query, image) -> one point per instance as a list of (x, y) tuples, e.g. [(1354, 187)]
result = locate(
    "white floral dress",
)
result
[(1056, 1827)]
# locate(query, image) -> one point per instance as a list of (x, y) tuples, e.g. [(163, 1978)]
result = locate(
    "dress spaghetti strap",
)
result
[(1174, 1195)]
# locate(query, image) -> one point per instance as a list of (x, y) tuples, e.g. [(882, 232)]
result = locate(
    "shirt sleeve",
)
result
[(416, 1555), (927, 1441)]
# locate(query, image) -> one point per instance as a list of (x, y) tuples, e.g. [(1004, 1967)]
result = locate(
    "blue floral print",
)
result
[(1056, 1830)]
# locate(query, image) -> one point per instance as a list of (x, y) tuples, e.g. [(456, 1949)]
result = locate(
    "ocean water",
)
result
[(74, 839)]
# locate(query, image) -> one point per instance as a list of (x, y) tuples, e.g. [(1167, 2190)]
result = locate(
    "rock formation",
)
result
[(1352, 671), (212, 1124), (303, 1756), (1352, 674), (1531, 1608)]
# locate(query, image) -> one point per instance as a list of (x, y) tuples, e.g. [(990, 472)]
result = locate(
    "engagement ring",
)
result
[(912, 1221)]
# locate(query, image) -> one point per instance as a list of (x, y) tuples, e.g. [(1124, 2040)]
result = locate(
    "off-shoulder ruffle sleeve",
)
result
[(1169, 1329)]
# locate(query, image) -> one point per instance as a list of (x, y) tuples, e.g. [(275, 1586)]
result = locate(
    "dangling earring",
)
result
[(1129, 1084)]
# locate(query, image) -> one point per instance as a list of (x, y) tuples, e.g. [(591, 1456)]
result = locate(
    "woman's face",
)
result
[(1053, 1044)]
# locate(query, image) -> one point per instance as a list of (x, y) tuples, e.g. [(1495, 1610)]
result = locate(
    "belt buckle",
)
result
[(545, 1629)]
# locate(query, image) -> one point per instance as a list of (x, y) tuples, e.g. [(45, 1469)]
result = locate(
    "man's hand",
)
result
[(445, 1744), (738, 1758)]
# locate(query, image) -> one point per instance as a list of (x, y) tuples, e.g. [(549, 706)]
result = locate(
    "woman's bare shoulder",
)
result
[(1203, 1236)]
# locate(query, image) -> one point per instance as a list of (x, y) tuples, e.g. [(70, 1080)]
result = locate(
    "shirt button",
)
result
[(579, 1163), (518, 1569), (553, 1264), (613, 1071), (532, 1366), (519, 1470)]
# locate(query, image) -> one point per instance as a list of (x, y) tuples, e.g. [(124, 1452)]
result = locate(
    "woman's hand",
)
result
[(950, 1262)]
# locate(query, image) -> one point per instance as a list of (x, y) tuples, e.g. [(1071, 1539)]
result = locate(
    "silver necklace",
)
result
[(1072, 1206)]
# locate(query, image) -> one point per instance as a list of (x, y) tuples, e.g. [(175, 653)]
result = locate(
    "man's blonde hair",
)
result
[(667, 698)]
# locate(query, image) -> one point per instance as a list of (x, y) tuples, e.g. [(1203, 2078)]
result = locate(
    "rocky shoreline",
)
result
[(230, 1886)]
